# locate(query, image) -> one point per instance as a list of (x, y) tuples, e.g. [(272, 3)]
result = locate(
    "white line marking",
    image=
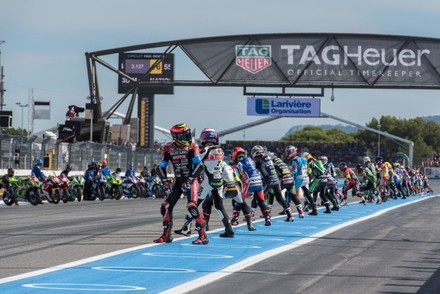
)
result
[(143, 269), (81, 287)]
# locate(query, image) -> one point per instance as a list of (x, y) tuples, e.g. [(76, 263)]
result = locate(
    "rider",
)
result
[(105, 170), (331, 188), (251, 181), (130, 171), (287, 183), (351, 180), (36, 171), (65, 172), (368, 184), (5, 181), (299, 173), (211, 188), (89, 178), (319, 183), (270, 178), (187, 166)]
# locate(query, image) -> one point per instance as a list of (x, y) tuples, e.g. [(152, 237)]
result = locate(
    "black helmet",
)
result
[(11, 171), (68, 167), (118, 170), (359, 168)]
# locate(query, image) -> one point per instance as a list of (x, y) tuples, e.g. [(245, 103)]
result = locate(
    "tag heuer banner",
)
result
[(303, 107), (316, 60)]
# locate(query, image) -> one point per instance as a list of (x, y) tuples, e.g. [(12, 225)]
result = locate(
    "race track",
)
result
[(67, 248)]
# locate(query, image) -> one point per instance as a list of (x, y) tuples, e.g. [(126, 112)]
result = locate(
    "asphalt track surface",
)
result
[(397, 251)]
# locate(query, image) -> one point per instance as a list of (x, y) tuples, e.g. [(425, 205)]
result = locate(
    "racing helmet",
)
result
[(257, 151), (307, 156), (291, 151), (11, 172), (359, 168), (68, 167), (181, 134), (378, 159), (342, 166), (104, 163), (366, 159), (323, 159), (237, 154), (39, 162), (208, 136)]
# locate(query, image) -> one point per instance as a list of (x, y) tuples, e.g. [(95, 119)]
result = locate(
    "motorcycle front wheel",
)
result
[(8, 198), (33, 196)]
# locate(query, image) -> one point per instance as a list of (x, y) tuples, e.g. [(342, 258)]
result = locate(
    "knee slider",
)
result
[(192, 209)]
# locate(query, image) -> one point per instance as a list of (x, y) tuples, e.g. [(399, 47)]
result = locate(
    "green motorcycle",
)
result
[(22, 188), (76, 187), (114, 187)]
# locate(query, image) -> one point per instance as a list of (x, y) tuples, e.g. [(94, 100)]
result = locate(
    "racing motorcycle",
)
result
[(24, 189), (64, 184), (98, 187), (51, 190), (113, 187), (130, 187), (76, 187)]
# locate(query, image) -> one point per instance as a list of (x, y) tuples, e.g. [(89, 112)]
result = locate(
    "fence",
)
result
[(22, 152)]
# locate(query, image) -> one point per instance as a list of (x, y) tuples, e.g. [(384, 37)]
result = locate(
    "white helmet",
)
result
[(366, 159)]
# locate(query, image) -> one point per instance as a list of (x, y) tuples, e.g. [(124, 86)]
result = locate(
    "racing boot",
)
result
[(229, 232), (327, 208), (314, 210), (289, 214), (206, 218), (186, 228), (248, 219), (267, 218), (300, 211), (166, 236), (235, 216), (203, 238)]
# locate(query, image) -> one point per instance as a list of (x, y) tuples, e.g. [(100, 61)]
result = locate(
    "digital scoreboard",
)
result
[(136, 65)]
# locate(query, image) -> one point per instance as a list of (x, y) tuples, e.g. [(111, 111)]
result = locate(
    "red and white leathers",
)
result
[(187, 166), (351, 182)]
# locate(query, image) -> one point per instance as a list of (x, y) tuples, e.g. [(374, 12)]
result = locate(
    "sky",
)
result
[(46, 41)]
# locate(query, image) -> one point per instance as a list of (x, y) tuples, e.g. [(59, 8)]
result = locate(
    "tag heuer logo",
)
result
[(253, 58)]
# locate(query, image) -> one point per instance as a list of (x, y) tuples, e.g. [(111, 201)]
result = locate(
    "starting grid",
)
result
[(180, 266)]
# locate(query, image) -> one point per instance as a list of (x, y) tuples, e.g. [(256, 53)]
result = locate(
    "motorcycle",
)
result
[(98, 187), (114, 187), (51, 190), (130, 187), (64, 187), (76, 187), (158, 187), (142, 184), (23, 188)]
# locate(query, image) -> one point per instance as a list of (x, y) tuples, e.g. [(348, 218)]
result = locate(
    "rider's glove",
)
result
[(186, 187)]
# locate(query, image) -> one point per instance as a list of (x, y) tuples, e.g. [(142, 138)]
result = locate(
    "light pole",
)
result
[(378, 141), (22, 115)]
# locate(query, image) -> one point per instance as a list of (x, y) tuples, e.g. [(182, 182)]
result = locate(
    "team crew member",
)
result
[(187, 165)]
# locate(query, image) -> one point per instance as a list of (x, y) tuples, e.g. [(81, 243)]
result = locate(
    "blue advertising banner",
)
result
[(303, 107)]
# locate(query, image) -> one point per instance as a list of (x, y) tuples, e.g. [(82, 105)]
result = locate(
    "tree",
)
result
[(316, 134)]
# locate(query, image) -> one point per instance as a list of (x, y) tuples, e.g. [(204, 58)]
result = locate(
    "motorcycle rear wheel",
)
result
[(65, 196)]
